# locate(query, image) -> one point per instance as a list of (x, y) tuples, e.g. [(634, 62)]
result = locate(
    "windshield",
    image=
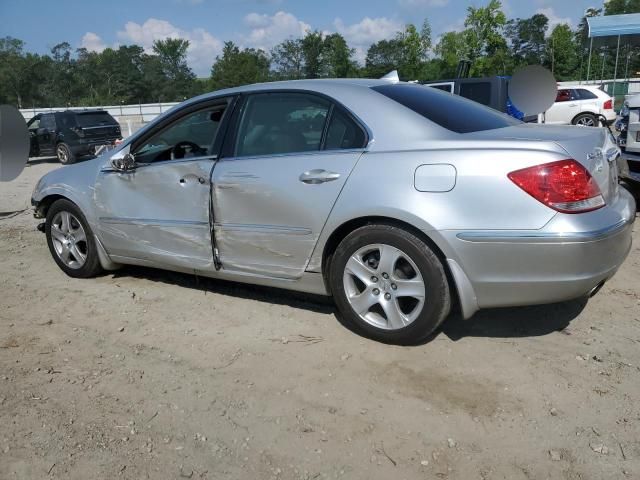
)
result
[(447, 110)]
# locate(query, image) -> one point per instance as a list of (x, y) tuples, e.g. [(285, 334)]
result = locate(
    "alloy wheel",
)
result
[(586, 122), (69, 239), (384, 287), (63, 156)]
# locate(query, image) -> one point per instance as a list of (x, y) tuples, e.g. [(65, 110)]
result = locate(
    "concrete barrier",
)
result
[(130, 117)]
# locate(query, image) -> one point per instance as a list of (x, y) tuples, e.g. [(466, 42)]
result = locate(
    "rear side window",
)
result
[(449, 111), (277, 123), (343, 133), (47, 121), (66, 120), (94, 119), (583, 94)]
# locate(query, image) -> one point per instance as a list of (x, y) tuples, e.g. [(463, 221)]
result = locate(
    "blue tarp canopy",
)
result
[(614, 25)]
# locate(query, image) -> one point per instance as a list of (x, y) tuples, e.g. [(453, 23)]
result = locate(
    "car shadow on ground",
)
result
[(306, 301), (513, 322)]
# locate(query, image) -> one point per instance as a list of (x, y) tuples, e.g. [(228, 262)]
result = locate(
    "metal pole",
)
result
[(604, 58), (615, 74), (626, 70), (589, 66)]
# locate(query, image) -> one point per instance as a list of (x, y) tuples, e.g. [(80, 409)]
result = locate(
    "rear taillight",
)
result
[(608, 105), (565, 186)]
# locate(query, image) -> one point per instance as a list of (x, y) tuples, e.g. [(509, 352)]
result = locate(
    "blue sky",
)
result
[(250, 23)]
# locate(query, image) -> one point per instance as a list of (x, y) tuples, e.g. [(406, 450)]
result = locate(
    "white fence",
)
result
[(130, 117)]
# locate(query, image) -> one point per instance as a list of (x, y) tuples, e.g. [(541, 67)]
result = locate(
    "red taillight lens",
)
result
[(608, 105), (565, 186)]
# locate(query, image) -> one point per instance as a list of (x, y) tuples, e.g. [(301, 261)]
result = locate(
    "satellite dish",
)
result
[(533, 89), (392, 76)]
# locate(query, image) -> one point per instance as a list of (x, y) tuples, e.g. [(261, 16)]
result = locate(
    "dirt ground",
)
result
[(151, 374)]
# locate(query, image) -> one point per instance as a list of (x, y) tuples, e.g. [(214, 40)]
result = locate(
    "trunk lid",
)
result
[(593, 148)]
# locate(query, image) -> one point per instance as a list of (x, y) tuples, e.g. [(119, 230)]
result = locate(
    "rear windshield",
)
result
[(447, 110), (94, 119)]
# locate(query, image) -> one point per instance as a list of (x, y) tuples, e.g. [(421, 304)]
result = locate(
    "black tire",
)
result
[(91, 266), (437, 304), (65, 154), (586, 119)]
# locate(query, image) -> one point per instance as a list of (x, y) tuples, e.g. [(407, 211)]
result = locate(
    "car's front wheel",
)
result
[(65, 154), (71, 241), (389, 284)]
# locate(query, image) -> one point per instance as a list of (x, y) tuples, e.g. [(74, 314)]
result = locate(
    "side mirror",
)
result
[(125, 163)]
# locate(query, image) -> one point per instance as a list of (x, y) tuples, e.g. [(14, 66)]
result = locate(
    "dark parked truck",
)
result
[(71, 133)]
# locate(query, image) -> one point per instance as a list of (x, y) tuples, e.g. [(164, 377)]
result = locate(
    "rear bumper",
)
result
[(565, 260), (86, 145)]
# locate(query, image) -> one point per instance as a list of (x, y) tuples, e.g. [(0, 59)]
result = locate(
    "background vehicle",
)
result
[(629, 139), (366, 190), (490, 91), (581, 105), (70, 134)]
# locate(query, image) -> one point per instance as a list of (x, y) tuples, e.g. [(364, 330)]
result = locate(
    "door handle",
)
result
[(314, 177)]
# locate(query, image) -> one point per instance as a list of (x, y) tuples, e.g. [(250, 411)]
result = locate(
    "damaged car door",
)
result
[(158, 209), (281, 173)]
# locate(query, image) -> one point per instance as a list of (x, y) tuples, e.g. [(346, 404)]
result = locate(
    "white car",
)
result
[(581, 105)]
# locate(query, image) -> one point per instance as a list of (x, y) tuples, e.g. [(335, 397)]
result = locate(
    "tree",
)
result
[(382, 57), (486, 45), (451, 48), (288, 59), (619, 7), (313, 52), (339, 57), (561, 55), (18, 73), (415, 47), (527, 39), (172, 55), (239, 67)]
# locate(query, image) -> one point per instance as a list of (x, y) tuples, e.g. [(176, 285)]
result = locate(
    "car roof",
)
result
[(323, 85)]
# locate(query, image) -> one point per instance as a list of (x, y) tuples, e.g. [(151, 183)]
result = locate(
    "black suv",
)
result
[(71, 133)]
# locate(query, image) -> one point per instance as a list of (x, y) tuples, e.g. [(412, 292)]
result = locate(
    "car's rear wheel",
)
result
[(389, 284), (71, 241), (586, 120), (65, 154)]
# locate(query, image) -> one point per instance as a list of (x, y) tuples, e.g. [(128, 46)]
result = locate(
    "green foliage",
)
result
[(493, 44), (561, 54), (238, 67), (288, 60), (620, 7)]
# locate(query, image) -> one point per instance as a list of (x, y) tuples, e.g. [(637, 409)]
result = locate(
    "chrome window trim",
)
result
[(295, 154)]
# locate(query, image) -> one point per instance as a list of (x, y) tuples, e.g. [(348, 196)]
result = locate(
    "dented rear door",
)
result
[(269, 210)]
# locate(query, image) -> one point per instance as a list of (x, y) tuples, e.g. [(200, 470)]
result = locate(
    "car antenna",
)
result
[(391, 77)]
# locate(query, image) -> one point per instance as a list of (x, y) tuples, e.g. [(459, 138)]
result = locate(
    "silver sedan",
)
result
[(398, 200)]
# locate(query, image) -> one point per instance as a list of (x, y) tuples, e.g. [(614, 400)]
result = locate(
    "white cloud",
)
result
[(422, 3), (269, 30), (203, 47), (367, 31), (553, 18), (92, 42)]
